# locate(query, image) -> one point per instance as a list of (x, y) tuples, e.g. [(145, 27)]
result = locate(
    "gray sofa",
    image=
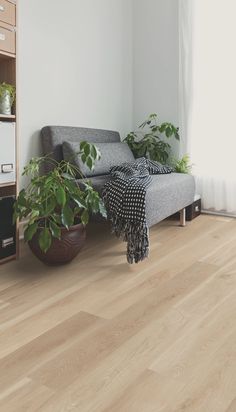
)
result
[(166, 195)]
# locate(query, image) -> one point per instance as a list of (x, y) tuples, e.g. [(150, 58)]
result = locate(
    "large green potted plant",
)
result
[(150, 140), (57, 207), (7, 98)]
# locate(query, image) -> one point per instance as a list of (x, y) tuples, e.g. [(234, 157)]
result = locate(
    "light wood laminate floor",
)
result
[(102, 336)]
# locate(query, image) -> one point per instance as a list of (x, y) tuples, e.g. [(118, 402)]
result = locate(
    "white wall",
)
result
[(95, 63), (74, 67), (156, 60)]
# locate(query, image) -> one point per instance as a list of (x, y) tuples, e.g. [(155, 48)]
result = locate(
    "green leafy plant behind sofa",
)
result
[(151, 139), (182, 165)]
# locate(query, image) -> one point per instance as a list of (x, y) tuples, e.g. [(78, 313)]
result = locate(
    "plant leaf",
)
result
[(90, 163), (102, 209), (50, 206), (61, 196), (83, 158), (87, 149), (45, 239), (33, 216), (67, 216), (85, 217), (94, 152), (68, 176), (55, 230), (79, 201), (82, 144), (30, 231)]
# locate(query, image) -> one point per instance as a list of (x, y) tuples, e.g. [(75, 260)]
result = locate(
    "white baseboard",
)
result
[(210, 212)]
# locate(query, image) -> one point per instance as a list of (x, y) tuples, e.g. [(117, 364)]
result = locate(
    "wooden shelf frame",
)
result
[(10, 184), (6, 54), (8, 74), (4, 117)]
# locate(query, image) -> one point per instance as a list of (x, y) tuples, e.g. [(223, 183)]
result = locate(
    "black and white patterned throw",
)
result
[(125, 200)]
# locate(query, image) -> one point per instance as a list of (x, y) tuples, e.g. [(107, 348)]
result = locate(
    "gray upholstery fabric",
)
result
[(52, 138), (166, 195), (112, 154)]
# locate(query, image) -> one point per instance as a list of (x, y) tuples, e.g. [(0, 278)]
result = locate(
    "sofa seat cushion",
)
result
[(168, 194)]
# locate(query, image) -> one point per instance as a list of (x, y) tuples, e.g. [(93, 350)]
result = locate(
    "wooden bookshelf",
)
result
[(8, 62)]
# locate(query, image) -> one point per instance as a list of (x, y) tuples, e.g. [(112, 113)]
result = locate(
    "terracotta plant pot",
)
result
[(61, 251)]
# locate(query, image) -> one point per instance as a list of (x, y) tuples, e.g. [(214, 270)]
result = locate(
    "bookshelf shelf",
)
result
[(4, 117)]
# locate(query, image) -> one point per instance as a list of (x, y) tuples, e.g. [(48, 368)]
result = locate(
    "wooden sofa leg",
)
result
[(183, 217)]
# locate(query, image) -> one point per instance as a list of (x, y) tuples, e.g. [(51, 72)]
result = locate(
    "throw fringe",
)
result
[(136, 234)]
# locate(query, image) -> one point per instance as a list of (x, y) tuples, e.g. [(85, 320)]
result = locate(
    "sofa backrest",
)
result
[(52, 138)]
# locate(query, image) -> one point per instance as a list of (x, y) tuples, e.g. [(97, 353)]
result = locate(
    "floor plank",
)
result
[(100, 335), (46, 347), (232, 406)]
